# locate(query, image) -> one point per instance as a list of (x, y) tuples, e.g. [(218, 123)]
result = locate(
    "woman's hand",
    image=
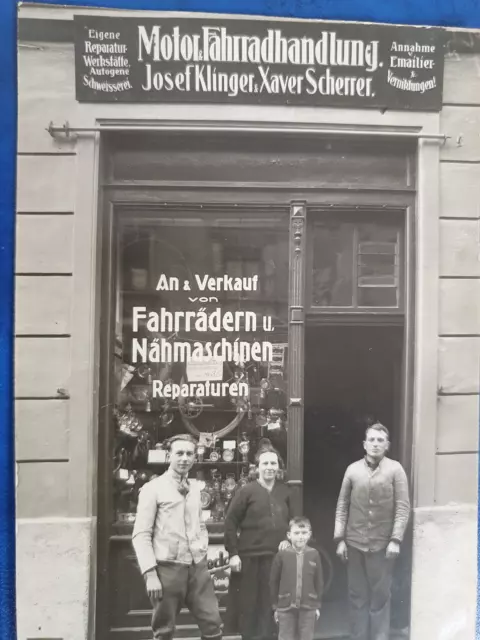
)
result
[(317, 614), (275, 616), (284, 544), (235, 564)]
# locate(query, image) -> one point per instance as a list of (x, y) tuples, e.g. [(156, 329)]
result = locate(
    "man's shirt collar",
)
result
[(373, 465)]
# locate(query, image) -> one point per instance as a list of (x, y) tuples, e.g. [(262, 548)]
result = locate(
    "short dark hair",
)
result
[(183, 437), (300, 521), (378, 426)]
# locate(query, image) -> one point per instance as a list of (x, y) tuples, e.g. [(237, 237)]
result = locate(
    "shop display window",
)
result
[(201, 348)]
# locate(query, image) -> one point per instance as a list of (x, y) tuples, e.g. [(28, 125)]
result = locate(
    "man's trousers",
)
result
[(369, 591), (192, 586)]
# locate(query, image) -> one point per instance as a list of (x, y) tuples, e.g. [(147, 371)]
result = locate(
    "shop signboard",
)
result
[(238, 61)]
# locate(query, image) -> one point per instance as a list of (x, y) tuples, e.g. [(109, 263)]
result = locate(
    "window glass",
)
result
[(378, 266), (333, 265), (201, 347), (356, 264)]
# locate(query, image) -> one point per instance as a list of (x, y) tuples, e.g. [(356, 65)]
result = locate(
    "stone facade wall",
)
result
[(445, 534)]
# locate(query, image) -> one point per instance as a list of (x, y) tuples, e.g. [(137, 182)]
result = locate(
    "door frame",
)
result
[(301, 254)]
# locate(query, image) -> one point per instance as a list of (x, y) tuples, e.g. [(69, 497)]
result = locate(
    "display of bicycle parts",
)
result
[(205, 498), (128, 423), (220, 415), (145, 372), (261, 419), (275, 418), (120, 463), (244, 447), (214, 455), (166, 417), (201, 452), (228, 455), (191, 407), (143, 445)]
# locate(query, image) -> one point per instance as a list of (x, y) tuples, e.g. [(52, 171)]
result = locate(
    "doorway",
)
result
[(352, 378)]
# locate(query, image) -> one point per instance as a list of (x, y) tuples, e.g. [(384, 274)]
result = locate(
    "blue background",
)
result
[(459, 13)]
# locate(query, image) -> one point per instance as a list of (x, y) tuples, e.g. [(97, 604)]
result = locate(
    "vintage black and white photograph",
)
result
[(247, 328)]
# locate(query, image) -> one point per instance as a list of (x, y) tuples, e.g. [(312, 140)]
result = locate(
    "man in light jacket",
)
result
[(170, 541), (371, 517)]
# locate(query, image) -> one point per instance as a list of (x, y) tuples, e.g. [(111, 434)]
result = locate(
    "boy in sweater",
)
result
[(296, 584)]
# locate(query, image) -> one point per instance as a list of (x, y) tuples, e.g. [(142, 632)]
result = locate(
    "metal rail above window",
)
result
[(68, 131)]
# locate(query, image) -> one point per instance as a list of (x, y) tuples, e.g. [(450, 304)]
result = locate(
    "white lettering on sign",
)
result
[(218, 45), (409, 59), (104, 56), (407, 84), (200, 390)]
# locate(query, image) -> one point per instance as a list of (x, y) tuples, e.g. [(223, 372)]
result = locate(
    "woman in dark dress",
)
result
[(255, 528)]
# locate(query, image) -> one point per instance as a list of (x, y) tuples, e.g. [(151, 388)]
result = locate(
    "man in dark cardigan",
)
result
[(256, 524)]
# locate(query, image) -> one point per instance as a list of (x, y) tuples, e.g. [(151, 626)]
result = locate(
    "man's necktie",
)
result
[(184, 486)]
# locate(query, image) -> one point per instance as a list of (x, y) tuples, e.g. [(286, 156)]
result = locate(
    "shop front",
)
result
[(240, 269), (258, 307)]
